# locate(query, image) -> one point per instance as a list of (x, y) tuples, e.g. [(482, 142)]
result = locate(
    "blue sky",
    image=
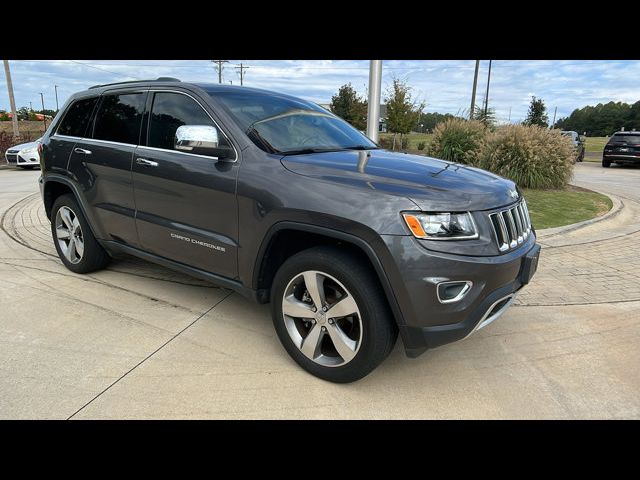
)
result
[(445, 85)]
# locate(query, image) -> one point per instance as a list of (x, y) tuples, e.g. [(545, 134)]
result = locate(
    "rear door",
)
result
[(102, 164), (186, 203)]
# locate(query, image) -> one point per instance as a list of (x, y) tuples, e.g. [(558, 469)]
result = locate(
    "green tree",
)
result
[(537, 114), (350, 107), (402, 111), (428, 121)]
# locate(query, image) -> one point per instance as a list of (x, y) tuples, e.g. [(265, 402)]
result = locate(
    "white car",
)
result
[(24, 155)]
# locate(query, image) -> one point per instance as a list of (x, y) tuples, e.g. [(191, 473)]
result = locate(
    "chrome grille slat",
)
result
[(511, 226)]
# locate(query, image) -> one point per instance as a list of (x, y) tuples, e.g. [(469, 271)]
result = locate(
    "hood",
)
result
[(431, 183), (22, 146)]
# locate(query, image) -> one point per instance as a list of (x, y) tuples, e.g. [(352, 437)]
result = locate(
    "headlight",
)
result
[(441, 226), (29, 150)]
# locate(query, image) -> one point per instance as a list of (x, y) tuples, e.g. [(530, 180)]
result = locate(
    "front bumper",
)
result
[(428, 323), (22, 159)]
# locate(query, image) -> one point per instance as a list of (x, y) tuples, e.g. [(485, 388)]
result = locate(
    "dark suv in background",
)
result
[(282, 201), (622, 148)]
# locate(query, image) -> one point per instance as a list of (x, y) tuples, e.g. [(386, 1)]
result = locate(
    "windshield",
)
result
[(279, 124)]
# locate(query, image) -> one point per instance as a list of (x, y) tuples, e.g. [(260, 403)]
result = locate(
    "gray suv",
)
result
[(280, 200)]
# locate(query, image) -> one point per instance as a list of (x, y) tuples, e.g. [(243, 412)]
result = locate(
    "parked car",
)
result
[(622, 148), (578, 143), (283, 202), (24, 155)]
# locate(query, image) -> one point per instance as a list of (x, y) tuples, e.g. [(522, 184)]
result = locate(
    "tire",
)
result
[(92, 256), (370, 332), (27, 167), (606, 163)]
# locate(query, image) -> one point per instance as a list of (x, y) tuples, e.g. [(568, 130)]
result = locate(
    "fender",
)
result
[(338, 235), (57, 178)]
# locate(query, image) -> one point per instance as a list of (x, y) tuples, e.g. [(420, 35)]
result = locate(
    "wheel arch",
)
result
[(287, 238)]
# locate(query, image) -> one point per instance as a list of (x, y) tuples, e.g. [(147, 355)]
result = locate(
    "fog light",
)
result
[(451, 292)]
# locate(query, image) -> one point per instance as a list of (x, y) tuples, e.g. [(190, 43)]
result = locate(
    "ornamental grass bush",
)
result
[(531, 156), (458, 140)]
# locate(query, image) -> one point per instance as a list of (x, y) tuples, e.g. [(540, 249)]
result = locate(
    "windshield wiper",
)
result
[(303, 151), (360, 147)]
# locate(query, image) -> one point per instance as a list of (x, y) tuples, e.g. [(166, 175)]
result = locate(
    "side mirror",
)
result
[(202, 140)]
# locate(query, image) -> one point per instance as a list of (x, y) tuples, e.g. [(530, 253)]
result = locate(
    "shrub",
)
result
[(385, 143), (421, 145), (458, 140), (531, 156)]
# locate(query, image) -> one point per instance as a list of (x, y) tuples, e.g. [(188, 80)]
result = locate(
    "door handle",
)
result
[(144, 161), (82, 151)]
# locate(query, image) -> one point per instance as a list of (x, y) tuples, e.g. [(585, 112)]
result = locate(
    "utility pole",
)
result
[(44, 118), (220, 67), (473, 92), (509, 115), (57, 108), (12, 101), (554, 117), (241, 68), (373, 111), (486, 97)]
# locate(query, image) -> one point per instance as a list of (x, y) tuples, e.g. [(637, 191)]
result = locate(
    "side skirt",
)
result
[(224, 282)]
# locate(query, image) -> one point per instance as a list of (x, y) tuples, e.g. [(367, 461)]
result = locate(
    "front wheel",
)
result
[(606, 163), (331, 314)]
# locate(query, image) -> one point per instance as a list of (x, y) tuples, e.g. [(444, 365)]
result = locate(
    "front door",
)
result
[(186, 204)]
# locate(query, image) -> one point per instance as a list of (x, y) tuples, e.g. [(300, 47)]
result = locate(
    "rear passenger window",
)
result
[(74, 123), (119, 118), (170, 111)]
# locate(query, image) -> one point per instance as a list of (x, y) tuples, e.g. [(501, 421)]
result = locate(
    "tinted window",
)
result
[(170, 111), (119, 117), (625, 139), (77, 117)]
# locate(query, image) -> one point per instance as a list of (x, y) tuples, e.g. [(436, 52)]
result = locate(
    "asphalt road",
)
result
[(140, 341)]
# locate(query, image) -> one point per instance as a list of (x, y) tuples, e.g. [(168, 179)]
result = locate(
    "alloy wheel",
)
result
[(322, 318), (69, 235)]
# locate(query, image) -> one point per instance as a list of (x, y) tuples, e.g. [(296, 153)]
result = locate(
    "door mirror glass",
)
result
[(202, 140)]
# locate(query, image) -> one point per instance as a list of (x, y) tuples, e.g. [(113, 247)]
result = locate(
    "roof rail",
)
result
[(159, 79)]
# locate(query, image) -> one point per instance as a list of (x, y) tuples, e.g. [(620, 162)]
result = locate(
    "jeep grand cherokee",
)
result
[(282, 201)]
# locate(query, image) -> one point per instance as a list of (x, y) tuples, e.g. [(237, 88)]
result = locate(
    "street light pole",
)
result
[(56, 89), (373, 111), (12, 101), (486, 98), (473, 92), (44, 118)]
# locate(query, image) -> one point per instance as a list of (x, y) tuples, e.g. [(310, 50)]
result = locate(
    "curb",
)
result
[(616, 208)]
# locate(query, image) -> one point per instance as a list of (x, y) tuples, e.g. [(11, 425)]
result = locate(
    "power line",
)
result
[(102, 69)]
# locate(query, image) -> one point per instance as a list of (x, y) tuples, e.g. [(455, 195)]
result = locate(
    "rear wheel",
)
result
[(606, 163), (76, 246), (331, 314)]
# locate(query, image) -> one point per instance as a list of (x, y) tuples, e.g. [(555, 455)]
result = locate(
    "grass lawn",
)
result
[(595, 144), (414, 139), (554, 208)]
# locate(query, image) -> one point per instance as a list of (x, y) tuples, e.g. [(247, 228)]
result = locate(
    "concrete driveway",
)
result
[(140, 341)]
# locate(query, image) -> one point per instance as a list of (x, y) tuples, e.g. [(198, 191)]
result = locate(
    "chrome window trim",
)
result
[(235, 150)]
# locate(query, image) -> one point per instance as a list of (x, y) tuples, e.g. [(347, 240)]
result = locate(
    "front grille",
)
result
[(511, 226), (12, 158)]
